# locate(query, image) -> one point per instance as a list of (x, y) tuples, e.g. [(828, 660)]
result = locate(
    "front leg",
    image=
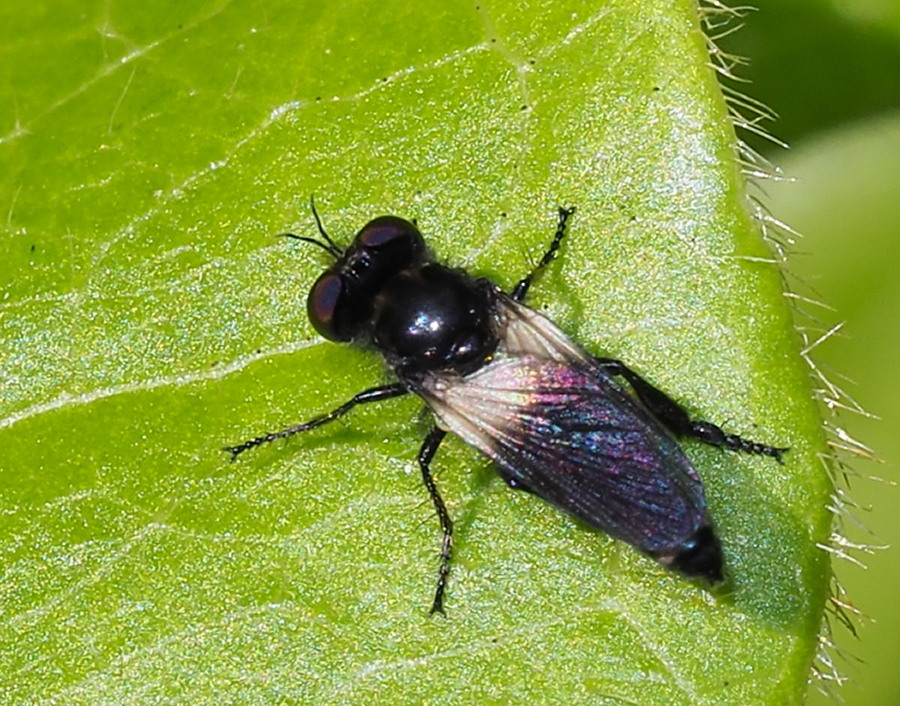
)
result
[(676, 419), (521, 289), (374, 394)]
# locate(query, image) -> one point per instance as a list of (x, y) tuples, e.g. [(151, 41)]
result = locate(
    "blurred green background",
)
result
[(831, 70)]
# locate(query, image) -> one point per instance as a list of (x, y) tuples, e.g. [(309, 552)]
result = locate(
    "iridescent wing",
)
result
[(556, 424)]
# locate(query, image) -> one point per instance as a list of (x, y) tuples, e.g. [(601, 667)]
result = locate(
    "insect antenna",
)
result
[(328, 246)]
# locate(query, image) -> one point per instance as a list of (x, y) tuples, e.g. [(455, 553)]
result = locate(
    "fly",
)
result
[(587, 434)]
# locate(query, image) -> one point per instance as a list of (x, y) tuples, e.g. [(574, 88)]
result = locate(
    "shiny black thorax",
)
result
[(386, 291)]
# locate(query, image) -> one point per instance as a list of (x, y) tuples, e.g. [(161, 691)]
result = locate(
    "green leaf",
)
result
[(149, 316)]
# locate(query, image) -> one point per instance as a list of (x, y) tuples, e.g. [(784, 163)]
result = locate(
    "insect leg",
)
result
[(426, 453), (678, 421), (373, 394), (521, 289)]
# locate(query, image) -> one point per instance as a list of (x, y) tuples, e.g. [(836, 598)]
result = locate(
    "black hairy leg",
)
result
[(676, 419)]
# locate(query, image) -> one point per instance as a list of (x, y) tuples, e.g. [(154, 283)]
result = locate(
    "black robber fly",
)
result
[(587, 434)]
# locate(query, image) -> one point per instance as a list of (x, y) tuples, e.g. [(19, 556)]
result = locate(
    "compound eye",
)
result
[(326, 307), (395, 242)]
